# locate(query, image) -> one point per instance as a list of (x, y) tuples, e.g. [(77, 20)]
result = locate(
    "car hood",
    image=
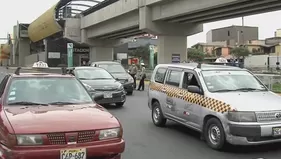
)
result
[(121, 75), (250, 101), (48, 119), (101, 83)]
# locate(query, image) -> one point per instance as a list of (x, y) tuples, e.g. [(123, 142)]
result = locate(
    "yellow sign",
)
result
[(5, 51), (44, 26)]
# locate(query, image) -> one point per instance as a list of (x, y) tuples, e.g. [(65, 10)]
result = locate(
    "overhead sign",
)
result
[(69, 54), (44, 26), (81, 50)]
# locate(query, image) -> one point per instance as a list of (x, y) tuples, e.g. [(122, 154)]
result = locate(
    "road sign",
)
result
[(69, 54)]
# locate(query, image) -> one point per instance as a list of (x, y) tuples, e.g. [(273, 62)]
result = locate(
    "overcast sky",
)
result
[(25, 11)]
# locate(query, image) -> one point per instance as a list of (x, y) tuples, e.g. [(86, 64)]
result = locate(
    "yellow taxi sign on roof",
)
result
[(40, 64)]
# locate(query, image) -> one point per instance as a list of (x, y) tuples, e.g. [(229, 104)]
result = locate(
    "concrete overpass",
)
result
[(170, 20)]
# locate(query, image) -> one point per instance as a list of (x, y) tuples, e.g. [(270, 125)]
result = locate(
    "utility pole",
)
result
[(242, 32)]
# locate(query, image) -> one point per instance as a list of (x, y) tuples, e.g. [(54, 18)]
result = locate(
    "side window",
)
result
[(3, 84), (174, 78), (160, 75), (189, 79)]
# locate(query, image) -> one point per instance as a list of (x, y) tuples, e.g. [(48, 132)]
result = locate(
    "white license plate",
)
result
[(73, 154), (276, 131), (107, 95)]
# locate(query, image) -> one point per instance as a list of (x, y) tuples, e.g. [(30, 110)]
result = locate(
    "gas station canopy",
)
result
[(47, 24)]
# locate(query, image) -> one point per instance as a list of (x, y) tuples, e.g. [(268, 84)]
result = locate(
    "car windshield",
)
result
[(93, 74), (113, 68), (46, 91), (226, 81)]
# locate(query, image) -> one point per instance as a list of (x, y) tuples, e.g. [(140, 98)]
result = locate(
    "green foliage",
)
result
[(195, 55), (142, 51), (240, 52)]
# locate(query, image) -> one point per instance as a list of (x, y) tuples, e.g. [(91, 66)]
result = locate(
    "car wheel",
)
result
[(130, 93), (121, 104), (214, 134), (157, 115)]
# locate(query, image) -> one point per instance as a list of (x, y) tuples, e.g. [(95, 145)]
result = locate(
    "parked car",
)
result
[(47, 116), (100, 82), (225, 104), (119, 73)]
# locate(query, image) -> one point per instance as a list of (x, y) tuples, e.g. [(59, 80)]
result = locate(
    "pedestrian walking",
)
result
[(133, 70), (143, 76)]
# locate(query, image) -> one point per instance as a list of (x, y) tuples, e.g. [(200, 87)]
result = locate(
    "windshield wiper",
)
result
[(240, 89), (83, 78), (27, 103), (224, 90), (249, 89), (61, 103)]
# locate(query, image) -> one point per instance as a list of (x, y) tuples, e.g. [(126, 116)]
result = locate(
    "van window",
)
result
[(189, 79), (160, 75), (174, 78)]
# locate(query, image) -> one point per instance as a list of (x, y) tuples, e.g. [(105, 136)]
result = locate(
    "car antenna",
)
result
[(17, 72)]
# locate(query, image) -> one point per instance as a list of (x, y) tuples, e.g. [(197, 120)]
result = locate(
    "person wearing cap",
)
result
[(133, 70), (143, 76)]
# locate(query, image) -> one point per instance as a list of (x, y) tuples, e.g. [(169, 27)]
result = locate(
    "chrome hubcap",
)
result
[(214, 134), (156, 115)]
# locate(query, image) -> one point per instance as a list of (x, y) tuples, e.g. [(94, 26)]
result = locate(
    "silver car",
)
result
[(225, 104)]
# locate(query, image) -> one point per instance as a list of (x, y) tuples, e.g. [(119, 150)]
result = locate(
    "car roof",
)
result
[(203, 67), (41, 75), (87, 67), (106, 62)]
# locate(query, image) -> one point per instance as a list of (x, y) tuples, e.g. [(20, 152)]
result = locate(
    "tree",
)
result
[(142, 51), (239, 52), (195, 55)]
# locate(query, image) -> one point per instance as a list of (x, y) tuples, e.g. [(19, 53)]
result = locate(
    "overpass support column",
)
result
[(171, 46), (101, 54)]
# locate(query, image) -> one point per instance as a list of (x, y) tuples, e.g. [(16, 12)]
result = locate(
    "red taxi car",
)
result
[(52, 116)]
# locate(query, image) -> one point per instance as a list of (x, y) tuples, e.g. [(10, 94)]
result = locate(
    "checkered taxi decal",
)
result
[(213, 104)]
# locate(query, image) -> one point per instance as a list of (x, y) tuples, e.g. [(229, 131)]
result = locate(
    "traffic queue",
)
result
[(50, 115)]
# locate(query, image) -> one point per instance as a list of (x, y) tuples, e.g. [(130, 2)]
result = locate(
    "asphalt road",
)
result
[(145, 141)]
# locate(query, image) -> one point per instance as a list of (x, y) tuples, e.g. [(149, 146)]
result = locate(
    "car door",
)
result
[(189, 111), (172, 87)]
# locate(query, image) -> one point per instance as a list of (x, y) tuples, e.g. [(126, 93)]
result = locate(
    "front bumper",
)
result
[(103, 150), (252, 134), (129, 87), (117, 97)]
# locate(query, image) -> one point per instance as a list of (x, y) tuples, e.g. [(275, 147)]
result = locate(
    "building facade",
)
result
[(233, 35)]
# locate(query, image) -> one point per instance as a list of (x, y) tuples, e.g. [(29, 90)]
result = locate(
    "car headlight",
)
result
[(109, 133), (88, 87), (27, 140), (242, 116), (130, 79), (121, 88)]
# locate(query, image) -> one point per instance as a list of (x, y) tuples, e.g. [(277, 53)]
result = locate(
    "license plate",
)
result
[(107, 95), (73, 154), (276, 131)]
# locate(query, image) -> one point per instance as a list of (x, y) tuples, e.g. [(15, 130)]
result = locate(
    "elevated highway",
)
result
[(171, 20)]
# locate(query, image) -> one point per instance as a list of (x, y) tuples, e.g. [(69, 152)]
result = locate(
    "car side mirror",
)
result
[(117, 79), (194, 89), (98, 97)]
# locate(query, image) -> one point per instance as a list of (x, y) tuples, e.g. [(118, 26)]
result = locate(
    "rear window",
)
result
[(160, 75)]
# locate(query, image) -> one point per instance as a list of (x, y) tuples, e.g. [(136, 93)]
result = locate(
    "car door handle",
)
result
[(163, 90), (180, 94)]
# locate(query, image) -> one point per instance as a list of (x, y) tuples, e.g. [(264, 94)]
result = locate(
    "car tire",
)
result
[(119, 105), (130, 93), (157, 115), (214, 134)]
